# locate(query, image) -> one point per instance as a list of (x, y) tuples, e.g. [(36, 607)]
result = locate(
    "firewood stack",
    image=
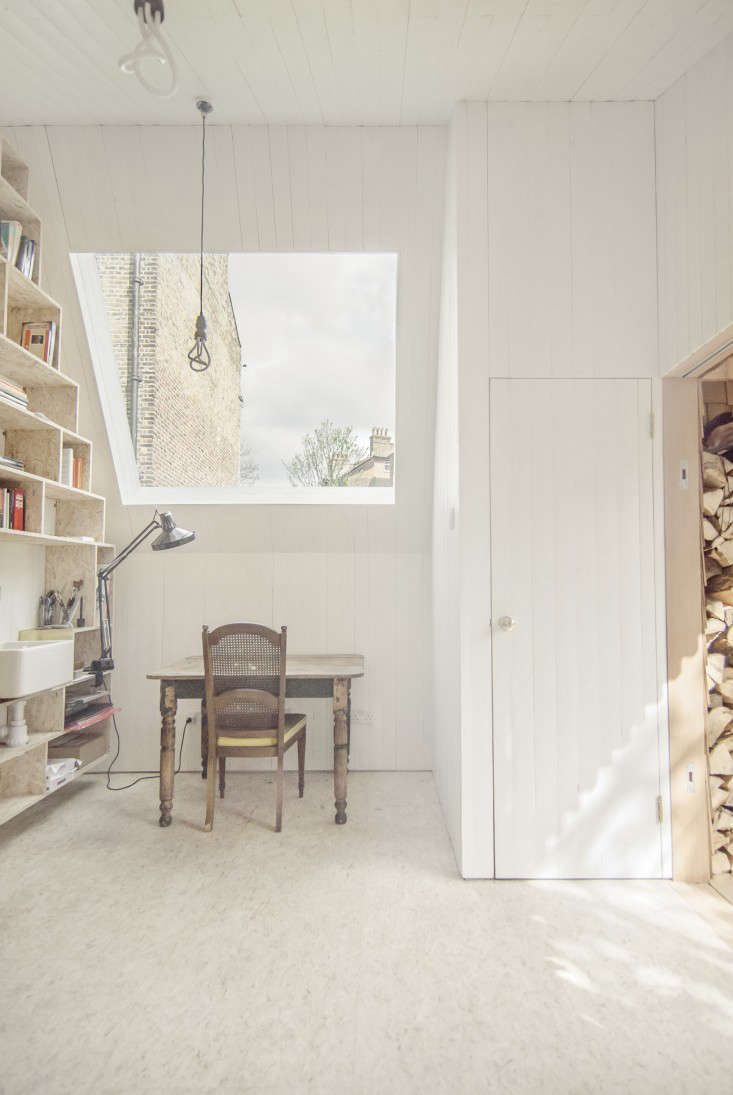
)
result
[(717, 472)]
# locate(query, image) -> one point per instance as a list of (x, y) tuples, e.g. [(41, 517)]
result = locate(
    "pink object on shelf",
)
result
[(89, 720)]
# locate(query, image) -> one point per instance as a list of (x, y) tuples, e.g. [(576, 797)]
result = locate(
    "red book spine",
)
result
[(19, 509)]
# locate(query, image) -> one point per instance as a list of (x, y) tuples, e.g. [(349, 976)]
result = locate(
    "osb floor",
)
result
[(337, 960)]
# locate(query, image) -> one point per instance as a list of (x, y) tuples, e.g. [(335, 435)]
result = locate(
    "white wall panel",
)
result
[(577, 723), (694, 141), (342, 578), (549, 272), (572, 239)]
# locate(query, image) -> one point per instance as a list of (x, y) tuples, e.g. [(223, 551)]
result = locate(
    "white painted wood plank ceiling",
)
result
[(347, 62)]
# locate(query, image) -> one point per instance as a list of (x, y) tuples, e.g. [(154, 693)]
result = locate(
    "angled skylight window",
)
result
[(299, 401)]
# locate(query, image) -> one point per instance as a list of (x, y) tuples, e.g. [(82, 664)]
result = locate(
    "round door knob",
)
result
[(507, 623)]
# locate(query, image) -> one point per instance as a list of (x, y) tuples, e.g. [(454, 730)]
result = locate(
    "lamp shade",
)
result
[(171, 535)]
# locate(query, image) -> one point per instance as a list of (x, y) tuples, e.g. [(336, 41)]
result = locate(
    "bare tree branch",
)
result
[(327, 455)]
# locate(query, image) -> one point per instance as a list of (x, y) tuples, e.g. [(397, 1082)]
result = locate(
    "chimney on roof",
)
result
[(380, 442)]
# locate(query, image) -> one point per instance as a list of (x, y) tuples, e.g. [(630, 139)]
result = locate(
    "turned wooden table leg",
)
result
[(340, 746), (168, 706)]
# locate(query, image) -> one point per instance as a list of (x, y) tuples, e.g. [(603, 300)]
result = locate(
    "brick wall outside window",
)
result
[(188, 423)]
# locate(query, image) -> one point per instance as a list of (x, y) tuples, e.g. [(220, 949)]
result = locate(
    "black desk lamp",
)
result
[(171, 536)]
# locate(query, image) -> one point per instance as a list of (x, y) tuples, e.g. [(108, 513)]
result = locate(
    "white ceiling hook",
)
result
[(151, 47)]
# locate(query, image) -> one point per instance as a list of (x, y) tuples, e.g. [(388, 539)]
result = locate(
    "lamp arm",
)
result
[(107, 569), (104, 663)]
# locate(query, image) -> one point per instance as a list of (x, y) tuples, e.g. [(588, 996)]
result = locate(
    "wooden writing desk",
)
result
[(328, 676)]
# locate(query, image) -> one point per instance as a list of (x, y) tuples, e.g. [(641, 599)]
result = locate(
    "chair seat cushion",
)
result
[(293, 723)]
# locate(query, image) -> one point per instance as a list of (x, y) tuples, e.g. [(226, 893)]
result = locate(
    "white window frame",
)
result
[(132, 492)]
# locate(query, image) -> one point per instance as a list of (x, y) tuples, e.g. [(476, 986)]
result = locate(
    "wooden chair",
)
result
[(244, 667)]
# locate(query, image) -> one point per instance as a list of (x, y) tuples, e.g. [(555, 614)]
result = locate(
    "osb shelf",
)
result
[(36, 437), (24, 293), (53, 488), (14, 207), (28, 370), (40, 539), (35, 741), (12, 806)]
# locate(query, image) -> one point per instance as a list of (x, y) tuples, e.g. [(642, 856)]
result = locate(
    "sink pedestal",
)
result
[(17, 726)]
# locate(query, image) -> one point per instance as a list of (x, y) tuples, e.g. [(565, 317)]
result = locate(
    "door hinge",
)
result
[(660, 809), (651, 423)]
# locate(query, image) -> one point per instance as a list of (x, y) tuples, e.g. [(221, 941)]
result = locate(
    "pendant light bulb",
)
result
[(151, 47), (199, 357)]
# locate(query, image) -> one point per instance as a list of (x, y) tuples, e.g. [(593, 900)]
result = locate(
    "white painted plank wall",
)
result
[(341, 578), (694, 143), (556, 278), (446, 690), (572, 240)]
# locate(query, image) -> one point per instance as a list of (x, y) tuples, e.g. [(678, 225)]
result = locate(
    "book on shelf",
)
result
[(13, 392), (67, 466), (11, 387), (39, 339), (12, 508), (77, 472), (10, 233), (26, 258), (10, 462), (15, 400)]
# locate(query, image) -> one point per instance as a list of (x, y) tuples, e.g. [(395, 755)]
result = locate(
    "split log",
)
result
[(722, 551), (712, 568), (723, 821), (718, 583), (710, 532), (721, 863), (715, 700), (721, 762), (718, 796), (724, 515), (718, 840), (715, 608), (711, 499), (717, 722), (713, 472), (719, 439), (716, 673), (725, 688)]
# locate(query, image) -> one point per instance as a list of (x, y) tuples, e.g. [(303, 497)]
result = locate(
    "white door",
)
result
[(576, 734)]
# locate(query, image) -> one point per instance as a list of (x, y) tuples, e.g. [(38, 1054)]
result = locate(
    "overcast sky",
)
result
[(318, 336)]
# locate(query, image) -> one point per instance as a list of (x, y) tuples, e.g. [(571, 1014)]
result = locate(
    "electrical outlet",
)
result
[(690, 782), (365, 718)]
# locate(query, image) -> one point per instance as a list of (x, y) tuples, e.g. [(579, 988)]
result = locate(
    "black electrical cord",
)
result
[(153, 775)]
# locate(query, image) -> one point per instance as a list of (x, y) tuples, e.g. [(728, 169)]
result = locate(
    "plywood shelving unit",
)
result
[(67, 522)]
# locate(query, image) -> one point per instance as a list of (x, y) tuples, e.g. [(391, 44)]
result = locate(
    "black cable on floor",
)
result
[(153, 775)]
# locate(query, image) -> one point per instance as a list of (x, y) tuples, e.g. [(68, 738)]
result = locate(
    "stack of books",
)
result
[(17, 248), (39, 339), (12, 392), (12, 508), (72, 468)]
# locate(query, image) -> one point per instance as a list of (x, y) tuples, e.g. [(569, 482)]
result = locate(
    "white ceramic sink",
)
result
[(29, 666)]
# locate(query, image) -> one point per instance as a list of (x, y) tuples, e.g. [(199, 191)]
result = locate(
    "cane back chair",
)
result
[(244, 670)]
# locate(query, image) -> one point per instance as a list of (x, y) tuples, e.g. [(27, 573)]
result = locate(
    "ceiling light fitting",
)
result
[(199, 357), (151, 47)]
